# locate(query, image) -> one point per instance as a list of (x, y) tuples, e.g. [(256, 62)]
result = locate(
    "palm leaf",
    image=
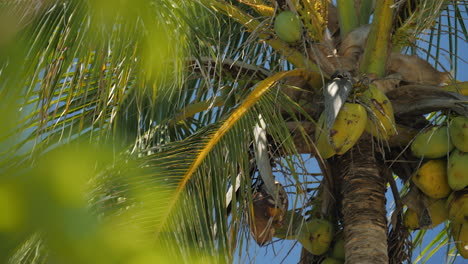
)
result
[(183, 123)]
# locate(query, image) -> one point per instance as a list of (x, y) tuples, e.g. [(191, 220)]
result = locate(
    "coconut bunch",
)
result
[(270, 218), (317, 235), (442, 179), (371, 112), (367, 109), (346, 56)]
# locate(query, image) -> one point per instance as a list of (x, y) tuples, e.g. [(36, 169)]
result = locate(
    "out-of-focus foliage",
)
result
[(79, 79), (108, 105), (51, 201)]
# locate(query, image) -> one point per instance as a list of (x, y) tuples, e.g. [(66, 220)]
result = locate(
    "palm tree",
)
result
[(177, 117)]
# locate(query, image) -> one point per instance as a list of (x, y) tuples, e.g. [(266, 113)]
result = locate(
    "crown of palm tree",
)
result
[(155, 122)]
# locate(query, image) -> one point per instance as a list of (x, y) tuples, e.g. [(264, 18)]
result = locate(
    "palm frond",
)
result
[(178, 99)]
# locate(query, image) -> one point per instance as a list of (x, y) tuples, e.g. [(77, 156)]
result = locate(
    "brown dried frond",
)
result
[(268, 214), (413, 69)]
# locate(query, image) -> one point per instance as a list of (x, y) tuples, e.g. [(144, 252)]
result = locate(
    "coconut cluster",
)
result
[(443, 179)]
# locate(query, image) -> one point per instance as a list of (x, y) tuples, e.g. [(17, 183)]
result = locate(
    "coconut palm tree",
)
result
[(171, 130)]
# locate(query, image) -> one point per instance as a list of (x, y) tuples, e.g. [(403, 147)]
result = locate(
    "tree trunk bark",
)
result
[(363, 205), (359, 190)]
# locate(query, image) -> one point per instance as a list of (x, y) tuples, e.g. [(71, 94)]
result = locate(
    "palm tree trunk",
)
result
[(359, 187), (363, 205)]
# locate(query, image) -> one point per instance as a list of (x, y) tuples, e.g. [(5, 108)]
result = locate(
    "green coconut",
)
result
[(288, 27), (316, 236), (332, 261), (339, 249), (432, 143), (459, 132), (457, 172)]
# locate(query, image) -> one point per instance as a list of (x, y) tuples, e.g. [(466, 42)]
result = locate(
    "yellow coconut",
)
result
[(381, 122), (437, 211), (411, 219), (457, 204), (460, 237), (321, 139), (346, 131), (431, 179)]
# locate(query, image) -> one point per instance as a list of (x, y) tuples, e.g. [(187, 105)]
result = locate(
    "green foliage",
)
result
[(107, 104), (96, 148), (51, 200)]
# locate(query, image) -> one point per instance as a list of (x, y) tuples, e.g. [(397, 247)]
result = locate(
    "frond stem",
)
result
[(347, 16), (377, 47)]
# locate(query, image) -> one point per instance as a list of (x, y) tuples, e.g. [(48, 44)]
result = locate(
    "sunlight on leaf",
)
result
[(256, 94)]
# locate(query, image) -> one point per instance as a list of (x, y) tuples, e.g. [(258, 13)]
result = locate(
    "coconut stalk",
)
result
[(347, 16), (377, 48), (365, 10)]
